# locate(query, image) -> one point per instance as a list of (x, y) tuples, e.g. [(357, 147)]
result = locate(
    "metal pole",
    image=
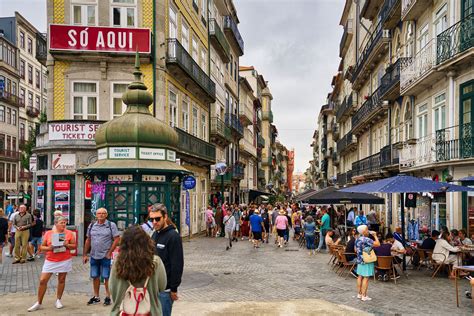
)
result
[(222, 189), (402, 208)]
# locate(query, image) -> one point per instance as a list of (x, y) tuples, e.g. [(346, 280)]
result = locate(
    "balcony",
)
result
[(390, 13), (368, 167), (418, 154), (335, 130), (238, 171), (9, 154), (219, 41), (413, 9), (455, 143), (193, 147), (260, 174), (267, 161), (260, 141), (335, 158), (267, 116), (246, 114), (346, 38), (234, 123), (247, 148), (371, 111), (220, 132), (257, 122), (374, 50), (183, 67), (217, 180), (41, 48), (454, 44), (346, 143), (231, 28), (418, 73), (25, 175), (344, 178), (10, 98), (389, 157), (390, 82), (32, 112), (347, 108), (370, 8)]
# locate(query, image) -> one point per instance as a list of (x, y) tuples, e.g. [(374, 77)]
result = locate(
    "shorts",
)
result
[(237, 228), (228, 234), (281, 232), (257, 235), (12, 239), (36, 242), (100, 268), (297, 230)]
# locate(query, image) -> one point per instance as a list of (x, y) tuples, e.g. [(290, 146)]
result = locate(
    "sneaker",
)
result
[(58, 304), (365, 298), (35, 307), (38, 257), (107, 301), (93, 300), (9, 255), (380, 277), (359, 296), (30, 259), (385, 277)]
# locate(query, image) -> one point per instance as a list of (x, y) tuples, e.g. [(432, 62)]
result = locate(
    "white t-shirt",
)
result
[(10, 219), (397, 246)]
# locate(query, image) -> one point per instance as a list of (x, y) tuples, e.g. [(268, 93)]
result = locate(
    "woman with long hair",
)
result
[(135, 264), (57, 244)]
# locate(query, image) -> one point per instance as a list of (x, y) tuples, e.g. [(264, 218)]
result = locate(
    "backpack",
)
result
[(136, 301)]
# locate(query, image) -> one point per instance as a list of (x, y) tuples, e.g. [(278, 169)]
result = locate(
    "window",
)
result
[(30, 74), (185, 116), (173, 109), (185, 35), (195, 50), (14, 88), (118, 107), (43, 83), (14, 117), (204, 9), (409, 49), (84, 100), (203, 59), (204, 127), (173, 21), (235, 71), (37, 79), (22, 96), (2, 113), (422, 121), (22, 69), (84, 14), (22, 131), (37, 102), (439, 112), (30, 99), (423, 38), (22, 39), (13, 173), (441, 20), (8, 173), (9, 142), (30, 46), (124, 13), (195, 121), (9, 116), (2, 172)]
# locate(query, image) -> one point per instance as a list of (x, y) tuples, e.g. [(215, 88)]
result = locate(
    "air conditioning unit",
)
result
[(386, 33)]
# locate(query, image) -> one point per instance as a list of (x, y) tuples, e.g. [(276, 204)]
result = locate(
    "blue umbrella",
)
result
[(405, 184)]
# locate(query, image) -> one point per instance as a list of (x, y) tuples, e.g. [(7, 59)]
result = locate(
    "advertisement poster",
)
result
[(40, 195), (62, 196)]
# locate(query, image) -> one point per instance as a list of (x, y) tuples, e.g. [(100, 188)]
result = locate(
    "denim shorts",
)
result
[(100, 268), (36, 242)]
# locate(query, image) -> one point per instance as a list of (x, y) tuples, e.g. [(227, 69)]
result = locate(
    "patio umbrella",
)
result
[(405, 184), (301, 197)]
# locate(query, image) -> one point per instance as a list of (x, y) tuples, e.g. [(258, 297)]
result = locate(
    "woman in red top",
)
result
[(57, 244)]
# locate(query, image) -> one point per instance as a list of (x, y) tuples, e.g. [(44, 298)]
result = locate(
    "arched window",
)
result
[(396, 129), (407, 122)]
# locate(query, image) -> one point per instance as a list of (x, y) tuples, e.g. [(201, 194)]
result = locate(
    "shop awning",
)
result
[(470, 178), (253, 194), (332, 195), (132, 165)]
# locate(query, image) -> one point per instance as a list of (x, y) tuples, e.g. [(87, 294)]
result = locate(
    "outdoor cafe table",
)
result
[(456, 274)]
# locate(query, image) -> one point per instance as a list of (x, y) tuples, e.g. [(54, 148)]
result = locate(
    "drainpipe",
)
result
[(357, 20), (451, 102)]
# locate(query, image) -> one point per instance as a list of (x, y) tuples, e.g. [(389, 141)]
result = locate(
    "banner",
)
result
[(99, 39), (40, 197), (62, 196), (72, 131), (187, 209)]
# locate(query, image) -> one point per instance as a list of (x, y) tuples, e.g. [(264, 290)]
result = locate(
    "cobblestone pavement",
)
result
[(244, 275)]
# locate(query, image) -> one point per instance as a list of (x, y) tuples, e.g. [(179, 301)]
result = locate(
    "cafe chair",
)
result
[(386, 263), (424, 255), (346, 266), (438, 265)]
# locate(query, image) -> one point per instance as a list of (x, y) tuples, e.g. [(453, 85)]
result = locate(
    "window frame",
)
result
[(22, 39), (185, 122), (185, 39), (173, 109), (195, 123), (440, 105), (84, 96), (172, 23), (422, 120), (29, 47), (84, 13), (113, 95), (123, 13)]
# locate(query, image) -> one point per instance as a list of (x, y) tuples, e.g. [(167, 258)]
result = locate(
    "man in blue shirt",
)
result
[(256, 224)]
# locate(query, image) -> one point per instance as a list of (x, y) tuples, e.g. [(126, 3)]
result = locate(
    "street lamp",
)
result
[(221, 169)]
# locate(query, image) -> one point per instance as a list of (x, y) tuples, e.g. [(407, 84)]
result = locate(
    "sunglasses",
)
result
[(156, 219)]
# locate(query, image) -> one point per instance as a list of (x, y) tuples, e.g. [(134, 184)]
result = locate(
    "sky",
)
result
[(294, 44)]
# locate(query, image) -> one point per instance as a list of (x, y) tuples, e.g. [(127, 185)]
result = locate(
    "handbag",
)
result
[(369, 257)]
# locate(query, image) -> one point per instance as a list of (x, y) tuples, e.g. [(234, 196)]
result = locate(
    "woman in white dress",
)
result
[(57, 244)]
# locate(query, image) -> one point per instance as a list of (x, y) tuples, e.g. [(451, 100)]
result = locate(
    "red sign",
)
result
[(88, 190), (99, 39), (62, 185)]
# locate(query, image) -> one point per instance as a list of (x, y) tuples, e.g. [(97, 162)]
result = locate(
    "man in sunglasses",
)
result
[(169, 248)]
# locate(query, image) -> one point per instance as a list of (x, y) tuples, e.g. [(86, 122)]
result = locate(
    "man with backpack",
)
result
[(102, 238)]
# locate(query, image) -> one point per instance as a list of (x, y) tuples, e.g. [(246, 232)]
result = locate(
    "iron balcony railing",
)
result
[(218, 37), (32, 111), (455, 40), (372, 41), (193, 146), (233, 122), (455, 142), (218, 179), (260, 141), (177, 54), (421, 153), (346, 105), (389, 156), (414, 68), (238, 171), (348, 31), (388, 9), (267, 116), (219, 128), (261, 174), (344, 142), (367, 166), (371, 105), (391, 77), (10, 98), (41, 47), (9, 154), (230, 24), (344, 178)]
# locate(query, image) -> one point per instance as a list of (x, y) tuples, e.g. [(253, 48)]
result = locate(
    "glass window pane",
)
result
[(77, 14), (90, 15), (124, 1), (436, 119), (78, 105), (443, 117), (91, 105), (84, 87), (120, 88), (116, 14), (117, 106), (466, 105), (130, 16)]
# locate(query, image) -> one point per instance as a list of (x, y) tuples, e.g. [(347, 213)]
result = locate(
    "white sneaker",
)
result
[(359, 296), (38, 256), (365, 298), (9, 255), (58, 304), (35, 307)]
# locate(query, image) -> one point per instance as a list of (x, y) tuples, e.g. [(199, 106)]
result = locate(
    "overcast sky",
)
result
[(294, 44)]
